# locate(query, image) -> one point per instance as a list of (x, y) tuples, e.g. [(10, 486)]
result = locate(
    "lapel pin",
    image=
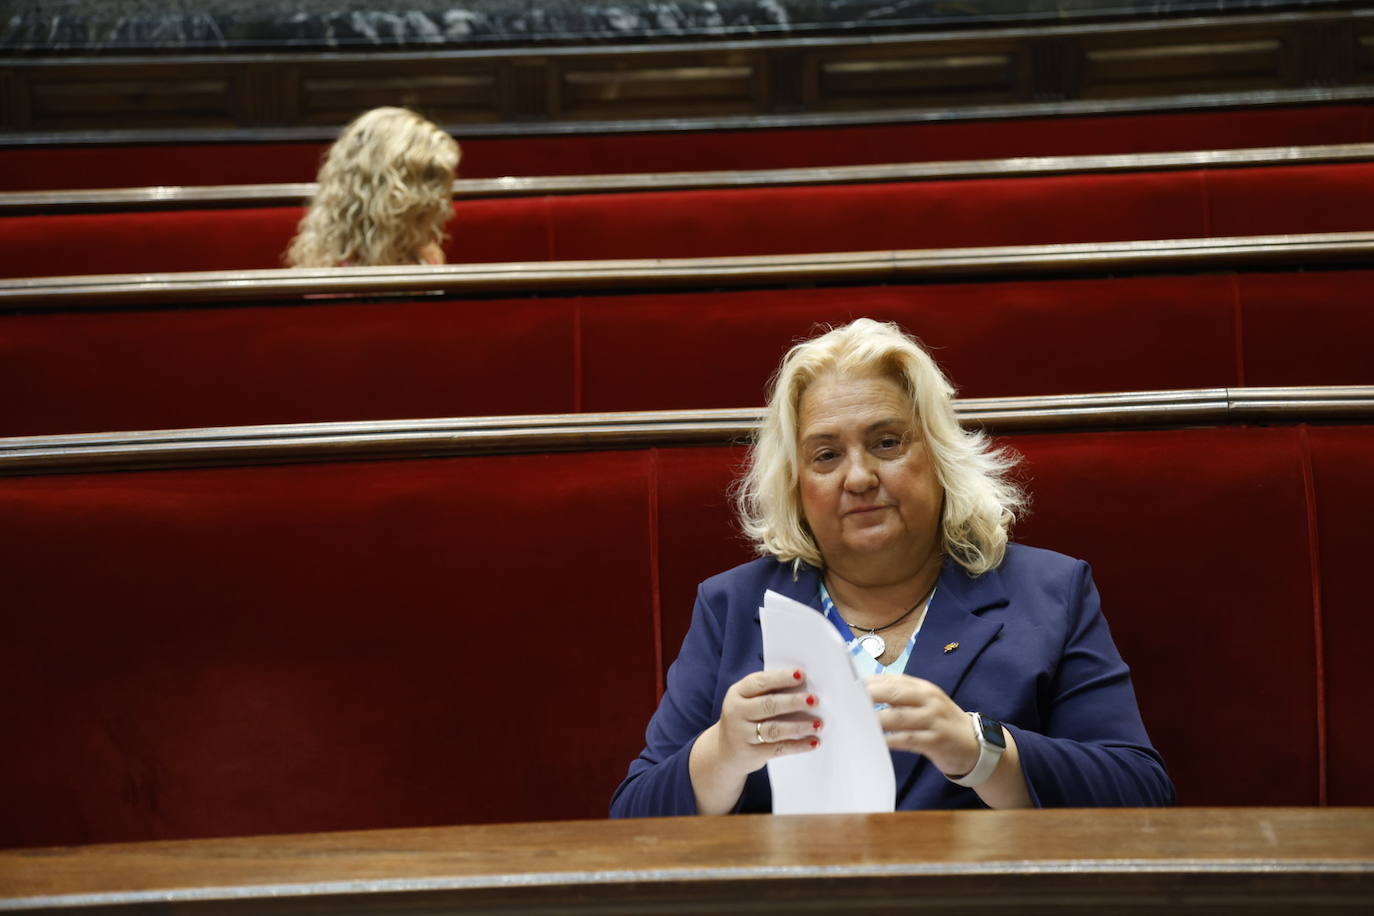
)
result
[(950, 647)]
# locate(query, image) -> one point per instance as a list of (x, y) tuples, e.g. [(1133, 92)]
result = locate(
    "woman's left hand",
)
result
[(923, 719)]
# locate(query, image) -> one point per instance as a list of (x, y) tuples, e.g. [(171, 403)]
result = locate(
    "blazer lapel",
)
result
[(951, 639)]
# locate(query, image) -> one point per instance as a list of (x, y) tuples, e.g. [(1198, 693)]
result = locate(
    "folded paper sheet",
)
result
[(851, 771)]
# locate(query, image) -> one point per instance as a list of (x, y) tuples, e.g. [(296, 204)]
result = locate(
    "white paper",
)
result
[(851, 771)]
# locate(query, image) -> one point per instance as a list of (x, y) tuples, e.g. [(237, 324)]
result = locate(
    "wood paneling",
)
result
[(1364, 58), (333, 96), (149, 96), (14, 100), (1172, 63), (985, 77), (642, 86), (1181, 67)]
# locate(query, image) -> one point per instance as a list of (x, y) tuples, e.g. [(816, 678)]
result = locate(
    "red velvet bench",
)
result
[(782, 220), (357, 644), (132, 367)]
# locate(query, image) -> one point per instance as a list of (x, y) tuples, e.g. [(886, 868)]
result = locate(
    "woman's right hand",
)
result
[(764, 714)]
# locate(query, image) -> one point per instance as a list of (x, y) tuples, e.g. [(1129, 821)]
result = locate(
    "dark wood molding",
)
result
[(208, 288), (1164, 62), (1196, 101), (1157, 861), (297, 193), (462, 436)]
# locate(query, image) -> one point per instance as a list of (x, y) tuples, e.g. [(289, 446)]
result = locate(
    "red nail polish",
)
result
[(796, 675), (814, 742), (816, 725), (811, 700)]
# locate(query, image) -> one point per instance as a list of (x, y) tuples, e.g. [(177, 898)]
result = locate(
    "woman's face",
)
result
[(868, 486)]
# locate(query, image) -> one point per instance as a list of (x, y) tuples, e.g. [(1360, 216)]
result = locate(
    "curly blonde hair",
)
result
[(981, 501), (385, 192)]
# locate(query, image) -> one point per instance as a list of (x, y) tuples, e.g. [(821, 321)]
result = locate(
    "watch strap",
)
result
[(988, 756)]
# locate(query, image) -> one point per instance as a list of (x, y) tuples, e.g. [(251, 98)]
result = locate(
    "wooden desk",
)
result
[(1137, 861)]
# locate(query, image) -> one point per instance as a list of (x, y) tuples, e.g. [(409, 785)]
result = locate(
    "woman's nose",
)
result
[(860, 475)]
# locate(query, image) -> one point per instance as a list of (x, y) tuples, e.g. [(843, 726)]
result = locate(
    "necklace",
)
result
[(871, 642)]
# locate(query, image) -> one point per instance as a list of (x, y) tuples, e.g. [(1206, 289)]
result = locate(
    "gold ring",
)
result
[(758, 732)]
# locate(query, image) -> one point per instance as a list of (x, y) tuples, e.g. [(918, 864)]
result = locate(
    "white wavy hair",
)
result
[(981, 501), (385, 192)]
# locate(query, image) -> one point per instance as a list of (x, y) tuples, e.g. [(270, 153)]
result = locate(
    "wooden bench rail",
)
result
[(518, 278), (315, 442), (1181, 860), (297, 193)]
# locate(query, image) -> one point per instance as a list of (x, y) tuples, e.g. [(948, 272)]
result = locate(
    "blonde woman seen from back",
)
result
[(385, 193)]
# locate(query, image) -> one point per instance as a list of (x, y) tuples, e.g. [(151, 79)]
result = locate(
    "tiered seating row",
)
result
[(110, 165), (125, 365), (735, 222), (338, 644)]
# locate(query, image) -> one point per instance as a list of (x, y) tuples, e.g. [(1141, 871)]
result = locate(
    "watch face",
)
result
[(992, 732)]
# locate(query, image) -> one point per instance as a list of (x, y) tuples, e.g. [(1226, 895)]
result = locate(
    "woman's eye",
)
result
[(888, 443)]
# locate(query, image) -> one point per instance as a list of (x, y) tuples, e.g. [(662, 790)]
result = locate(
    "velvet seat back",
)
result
[(347, 359), (751, 221), (379, 644)]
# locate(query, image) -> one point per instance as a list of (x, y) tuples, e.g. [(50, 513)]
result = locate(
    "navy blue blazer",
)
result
[(1034, 652)]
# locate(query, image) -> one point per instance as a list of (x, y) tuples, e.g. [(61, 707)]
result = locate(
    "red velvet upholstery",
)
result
[(241, 239), (48, 168), (322, 647), (697, 532), (994, 339), (353, 360), (1293, 322), (935, 214), (1309, 198), (1341, 462), (334, 360), (395, 643), (251, 163), (938, 214), (112, 243), (1198, 541)]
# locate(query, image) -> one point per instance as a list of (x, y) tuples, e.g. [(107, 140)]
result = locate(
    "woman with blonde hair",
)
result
[(995, 677), (385, 192)]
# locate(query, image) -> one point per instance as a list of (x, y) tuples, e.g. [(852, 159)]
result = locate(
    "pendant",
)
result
[(873, 644)]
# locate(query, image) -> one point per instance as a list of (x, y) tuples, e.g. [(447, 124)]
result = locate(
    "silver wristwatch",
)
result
[(992, 741)]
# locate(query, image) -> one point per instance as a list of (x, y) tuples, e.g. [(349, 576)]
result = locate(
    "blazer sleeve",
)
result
[(658, 783), (1092, 749)]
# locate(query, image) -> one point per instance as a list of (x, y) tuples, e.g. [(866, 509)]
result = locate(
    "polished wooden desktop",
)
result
[(1181, 860)]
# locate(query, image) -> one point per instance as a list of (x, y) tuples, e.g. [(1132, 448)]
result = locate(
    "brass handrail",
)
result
[(836, 268), (458, 436), (297, 193)]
